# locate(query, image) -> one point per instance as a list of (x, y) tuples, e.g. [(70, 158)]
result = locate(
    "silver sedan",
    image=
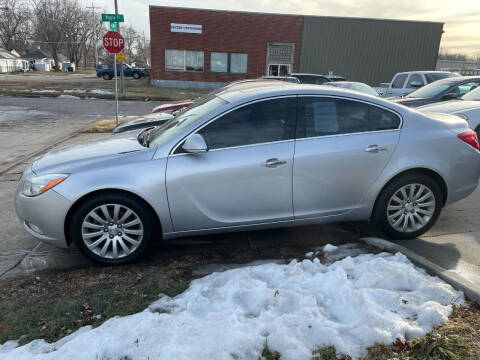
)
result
[(254, 155)]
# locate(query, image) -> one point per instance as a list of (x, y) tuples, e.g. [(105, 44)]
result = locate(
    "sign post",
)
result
[(113, 42)]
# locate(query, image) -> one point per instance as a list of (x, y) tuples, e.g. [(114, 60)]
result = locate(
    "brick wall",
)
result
[(222, 31)]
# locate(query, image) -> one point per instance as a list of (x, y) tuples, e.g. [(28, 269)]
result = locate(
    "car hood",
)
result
[(449, 107), (91, 153)]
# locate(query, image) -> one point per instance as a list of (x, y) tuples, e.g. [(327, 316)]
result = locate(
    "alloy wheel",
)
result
[(112, 231), (411, 207)]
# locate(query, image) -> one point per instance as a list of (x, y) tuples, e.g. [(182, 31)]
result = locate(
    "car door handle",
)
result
[(375, 149), (274, 162)]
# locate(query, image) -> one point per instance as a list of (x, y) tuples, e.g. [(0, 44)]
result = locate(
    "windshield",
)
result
[(431, 90), (473, 95), (431, 77), (183, 120)]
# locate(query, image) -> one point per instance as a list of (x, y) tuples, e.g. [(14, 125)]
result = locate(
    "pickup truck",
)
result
[(128, 71), (404, 83)]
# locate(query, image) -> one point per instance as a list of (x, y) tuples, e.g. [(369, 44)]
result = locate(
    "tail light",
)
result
[(470, 137)]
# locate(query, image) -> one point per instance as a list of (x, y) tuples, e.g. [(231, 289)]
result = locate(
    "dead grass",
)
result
[(134, 89), (105, 125)]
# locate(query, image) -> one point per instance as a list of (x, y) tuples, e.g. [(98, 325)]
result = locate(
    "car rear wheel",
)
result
[(112, 229), (408, 207), (107, 76), (136, 75)]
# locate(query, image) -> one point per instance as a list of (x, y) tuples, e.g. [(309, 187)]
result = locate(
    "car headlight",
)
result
[(463, 116), (39, 184)]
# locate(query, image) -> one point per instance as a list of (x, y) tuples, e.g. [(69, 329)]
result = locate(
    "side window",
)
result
[(399, 81), (320, 116), (414, 78), (261, 122), (465, 88)]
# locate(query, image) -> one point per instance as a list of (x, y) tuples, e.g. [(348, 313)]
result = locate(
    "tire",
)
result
[(136, 75), (390, 215), (130, 242), (107, 76)]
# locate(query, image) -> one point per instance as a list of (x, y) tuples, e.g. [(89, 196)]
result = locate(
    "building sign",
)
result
[(186, 28)]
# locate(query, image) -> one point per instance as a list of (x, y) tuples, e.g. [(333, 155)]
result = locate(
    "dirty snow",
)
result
[(44, 91), (101, 92), (294, 308), (67, 97), (330, 248), (78, 91)]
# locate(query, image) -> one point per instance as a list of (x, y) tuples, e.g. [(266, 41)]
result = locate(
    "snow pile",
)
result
[(67, 97), (293, 308), (101, 92)]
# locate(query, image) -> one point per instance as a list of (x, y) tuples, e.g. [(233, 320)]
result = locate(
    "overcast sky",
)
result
[(461, 17)]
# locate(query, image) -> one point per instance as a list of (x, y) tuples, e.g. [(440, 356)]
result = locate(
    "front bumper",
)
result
[(43, 216)]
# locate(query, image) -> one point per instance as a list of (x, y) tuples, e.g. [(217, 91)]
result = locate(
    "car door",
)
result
[(396, 87), (342, 147), (246, 175)]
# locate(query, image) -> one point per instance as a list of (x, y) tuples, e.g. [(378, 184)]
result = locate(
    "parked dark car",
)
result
[(128, 71), (440, 90), (140, 122), (313, 79)]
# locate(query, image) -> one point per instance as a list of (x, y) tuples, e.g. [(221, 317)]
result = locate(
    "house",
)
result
[(9, 62), (39, 60)]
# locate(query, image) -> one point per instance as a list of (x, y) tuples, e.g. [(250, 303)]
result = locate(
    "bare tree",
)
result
[(80, 35), (131, 37), (52, 19), (14, 24)]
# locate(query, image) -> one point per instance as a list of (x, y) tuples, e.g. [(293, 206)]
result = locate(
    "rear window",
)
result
[(431, 77)]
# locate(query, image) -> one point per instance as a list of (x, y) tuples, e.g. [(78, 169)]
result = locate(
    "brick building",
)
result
[(207, 48)]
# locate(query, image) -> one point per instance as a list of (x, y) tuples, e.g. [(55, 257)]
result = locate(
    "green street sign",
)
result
[(112, 17), (113, 26)]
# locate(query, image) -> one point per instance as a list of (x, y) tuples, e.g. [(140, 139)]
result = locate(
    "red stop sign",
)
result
[(113, 42)]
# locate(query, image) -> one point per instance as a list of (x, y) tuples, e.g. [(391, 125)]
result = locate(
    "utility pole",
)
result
[(122, 85), (94, 20)]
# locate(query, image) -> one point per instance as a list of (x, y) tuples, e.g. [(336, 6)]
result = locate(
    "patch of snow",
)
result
[(67, 97), (329, 248), (101, 92), (78, 91), (344, 250), (309, 254), (44, 91), (294, 308), (8, 346)]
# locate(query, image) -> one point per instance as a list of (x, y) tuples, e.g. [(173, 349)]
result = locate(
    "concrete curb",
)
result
[(471, 290)]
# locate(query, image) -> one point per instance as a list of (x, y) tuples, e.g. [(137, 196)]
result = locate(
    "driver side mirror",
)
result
[(195, 144), (416, 84), (449, 96)]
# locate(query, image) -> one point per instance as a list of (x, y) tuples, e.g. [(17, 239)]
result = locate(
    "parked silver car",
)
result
[(256, 155)]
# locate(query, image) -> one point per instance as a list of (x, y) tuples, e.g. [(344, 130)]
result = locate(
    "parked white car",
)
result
[(404, 83), (467, 107)]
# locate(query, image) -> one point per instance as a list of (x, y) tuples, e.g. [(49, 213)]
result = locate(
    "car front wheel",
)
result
[(408, 207), (136, 75), (107, 76), (112, 229)]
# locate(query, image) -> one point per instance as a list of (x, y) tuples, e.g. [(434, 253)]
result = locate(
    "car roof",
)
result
[(242, 93)]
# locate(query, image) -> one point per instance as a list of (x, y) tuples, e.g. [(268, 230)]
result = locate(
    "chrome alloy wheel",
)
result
[(411, 207), (112, 231)]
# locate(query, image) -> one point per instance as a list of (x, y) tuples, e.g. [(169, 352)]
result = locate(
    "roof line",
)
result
[(301, 15)]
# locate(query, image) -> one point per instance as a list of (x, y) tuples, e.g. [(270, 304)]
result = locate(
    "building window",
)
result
[(183, 60), (223, 62)]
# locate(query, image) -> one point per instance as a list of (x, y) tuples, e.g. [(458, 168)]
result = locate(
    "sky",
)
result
[(461, 17)]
